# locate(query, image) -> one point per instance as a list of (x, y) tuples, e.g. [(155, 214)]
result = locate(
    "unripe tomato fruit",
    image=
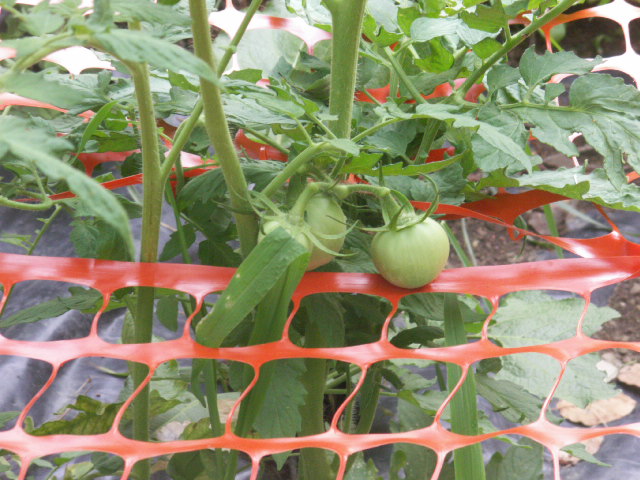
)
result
[(294, 230), (413, 256), (325, 217)]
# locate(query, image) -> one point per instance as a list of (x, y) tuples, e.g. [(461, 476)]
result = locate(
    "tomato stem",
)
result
[(347, 17), (217, 128)]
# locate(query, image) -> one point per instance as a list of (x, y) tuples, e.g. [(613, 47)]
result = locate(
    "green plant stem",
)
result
[(511, 43), (314, 461), (235, 41), (553, 228), (45, 204), (462, 255), (151, 219), (467, 242), (218, 130), (417, 96), (347, 17), (266, 139), (295, 165), (211, 390), (47, 224), (468, 461), (186, 128)]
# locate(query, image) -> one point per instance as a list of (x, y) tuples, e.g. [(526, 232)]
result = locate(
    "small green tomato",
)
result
[(328, 225), (413, 256)]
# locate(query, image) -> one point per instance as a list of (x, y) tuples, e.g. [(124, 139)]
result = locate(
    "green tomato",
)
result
[(328, 225), (413, 256), (324, 222), (296, 231)]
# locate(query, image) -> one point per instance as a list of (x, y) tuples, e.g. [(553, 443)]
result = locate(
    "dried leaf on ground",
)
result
[(598, 412), (630, 375)]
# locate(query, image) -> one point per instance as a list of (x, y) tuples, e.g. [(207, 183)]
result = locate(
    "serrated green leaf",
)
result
[(424, 29), (536, 69), (345, 145), (485, 154), (48, 88), (80, 300), (486, 48), (95, 417), (593, 187), (509, 399), (523, 461), (137, 46), (552, 91), (173, 247), (535, 318), (579, 450), (490, 134), (501, 76), (280, 414), (421, 335), (487, 18), (149, 12), (440, 60), (34, 145), (41, 22)]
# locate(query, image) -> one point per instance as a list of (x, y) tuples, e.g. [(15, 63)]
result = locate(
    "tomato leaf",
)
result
[(136, 46), (510, 151), (535, 318), (604, 110), (536, 69), (33, 145)]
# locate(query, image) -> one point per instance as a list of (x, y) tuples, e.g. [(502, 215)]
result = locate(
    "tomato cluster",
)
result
[(409, 255)]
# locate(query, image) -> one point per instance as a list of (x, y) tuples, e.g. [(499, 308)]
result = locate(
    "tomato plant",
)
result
[(438, 113)]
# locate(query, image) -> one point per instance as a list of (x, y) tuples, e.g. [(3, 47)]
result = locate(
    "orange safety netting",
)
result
[(607, 260)]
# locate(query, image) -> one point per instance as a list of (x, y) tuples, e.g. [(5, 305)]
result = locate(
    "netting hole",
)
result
[(243, 333), (502, 403), (526, 379), (577, 37), (345, 319), (295, 397), (206, 463), (71, 465), (44, 310), (411, 392), (537, 317), (509, 453), (179, 401), (611, 456), (171, 309), (624, 313), (289, 465), (397, 460), (599, 389), (10, 464), (420, 319), (22, 378), (82, 400)]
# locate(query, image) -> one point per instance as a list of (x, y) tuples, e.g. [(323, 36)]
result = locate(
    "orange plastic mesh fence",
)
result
[(606, 260)]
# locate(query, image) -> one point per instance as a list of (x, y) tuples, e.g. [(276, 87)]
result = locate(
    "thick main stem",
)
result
[(151, 218), (347, 16), (218, 130), (468, 461)]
